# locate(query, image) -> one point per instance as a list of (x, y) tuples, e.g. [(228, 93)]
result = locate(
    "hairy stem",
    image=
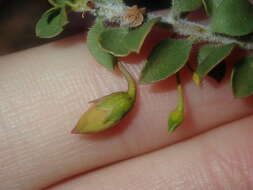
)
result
[(115, 10), (201, 32)]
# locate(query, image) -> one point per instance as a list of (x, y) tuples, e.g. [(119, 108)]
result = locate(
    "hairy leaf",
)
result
[(230, 17), (242, 78), (168, 57), (185, 5), (98, 53), (210, 56), (112, 41), (135, 38), (51, 23)]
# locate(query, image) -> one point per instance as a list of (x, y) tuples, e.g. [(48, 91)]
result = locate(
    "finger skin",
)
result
[(45, 90), (220, 159)]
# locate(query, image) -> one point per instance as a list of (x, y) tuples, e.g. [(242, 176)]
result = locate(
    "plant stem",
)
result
[(115, 11), (202, 32), (130, 80), (180, 106)]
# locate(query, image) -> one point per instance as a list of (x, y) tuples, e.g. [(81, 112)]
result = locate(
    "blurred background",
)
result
[(18, 19)]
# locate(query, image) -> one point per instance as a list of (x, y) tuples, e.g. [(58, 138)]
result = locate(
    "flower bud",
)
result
[(109, 110), (176, 117)]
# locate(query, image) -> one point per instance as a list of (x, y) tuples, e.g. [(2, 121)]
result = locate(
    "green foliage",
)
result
[(242, 78), (58, 3), (185, 5), (231, 21), (230, 17), (51, 23), (112, 41), (135, 38), (74, 4), (102, 57), (210, 56), (121, 41), (168, 57)]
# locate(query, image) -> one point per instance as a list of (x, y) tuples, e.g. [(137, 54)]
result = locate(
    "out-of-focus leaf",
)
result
[(230, 17), (51, 23), (185, 5), (242, 78), (57, 3)]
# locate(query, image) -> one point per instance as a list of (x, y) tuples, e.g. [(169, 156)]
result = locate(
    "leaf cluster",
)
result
[(52, 22), (232, 18)]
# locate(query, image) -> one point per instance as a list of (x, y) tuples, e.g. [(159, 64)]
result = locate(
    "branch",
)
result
[(116, 10), (201, 32)]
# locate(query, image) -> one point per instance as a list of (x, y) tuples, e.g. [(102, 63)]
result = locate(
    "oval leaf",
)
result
[(98, 53), (231, 17), (112, 41), (210, 56), (185, 5), (135, 38), (242, 78), (168, 57), (51, 23)]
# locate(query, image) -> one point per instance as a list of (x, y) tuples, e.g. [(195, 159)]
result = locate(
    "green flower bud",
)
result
[(176, 117), (109, 110)]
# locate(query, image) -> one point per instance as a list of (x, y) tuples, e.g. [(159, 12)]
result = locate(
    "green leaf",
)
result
[(185, 5), (210, 56), (74, 5), (51, 23), (242, 78), (112, 41), (168, 57), (135, 38), (57, 3), (230, 17), (102, 57)]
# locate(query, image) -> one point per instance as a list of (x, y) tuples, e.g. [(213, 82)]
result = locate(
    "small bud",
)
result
[(109, 110), (176, 117)]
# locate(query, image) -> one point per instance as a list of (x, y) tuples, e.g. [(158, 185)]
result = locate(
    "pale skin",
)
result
[(44, 91)]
